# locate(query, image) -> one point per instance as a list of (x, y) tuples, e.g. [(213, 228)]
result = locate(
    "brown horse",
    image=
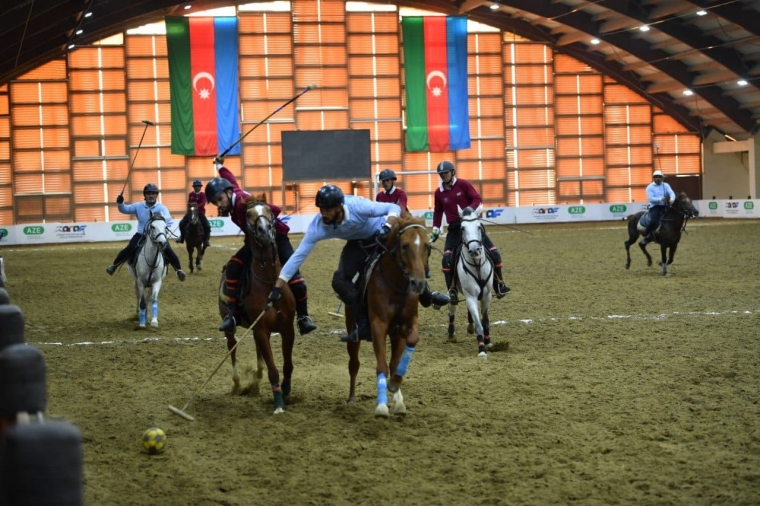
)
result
[(393, 288), (262, 275), (667, 235), (194, 236)]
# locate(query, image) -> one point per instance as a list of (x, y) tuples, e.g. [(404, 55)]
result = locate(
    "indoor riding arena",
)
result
[(605, 386)]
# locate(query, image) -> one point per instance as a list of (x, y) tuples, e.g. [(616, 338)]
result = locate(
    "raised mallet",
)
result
[(181, 412), (309, 87), (147, 124)]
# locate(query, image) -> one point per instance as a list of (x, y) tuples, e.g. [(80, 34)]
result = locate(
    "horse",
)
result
[(394, 281), (474, 278), (194, 236), (667, 234), (262, 275), (149, 268)]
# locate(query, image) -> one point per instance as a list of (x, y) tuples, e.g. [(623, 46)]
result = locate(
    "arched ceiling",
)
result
[(705, 46)]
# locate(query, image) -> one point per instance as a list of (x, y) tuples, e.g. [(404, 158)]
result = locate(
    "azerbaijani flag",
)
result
[(435, 66), (203, 84)]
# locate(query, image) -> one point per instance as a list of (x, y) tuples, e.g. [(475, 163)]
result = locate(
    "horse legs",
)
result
[(141, 304), (401, 357), (379, 328), (472, 308), (288, 338), (646, 254), (451, 329), (189, 254), (470, 324), (484, 304), (664, 262), (353, 358), (231, 341), (264, 344), (199, 257)]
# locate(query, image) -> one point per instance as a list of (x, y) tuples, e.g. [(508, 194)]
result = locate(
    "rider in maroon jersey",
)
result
[(452, 194)]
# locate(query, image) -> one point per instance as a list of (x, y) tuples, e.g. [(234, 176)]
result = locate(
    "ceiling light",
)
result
[(188, 7), (741, 82), (688, 93), (88, 14), (79, 32), (701, 13), (595, 41), (494, 7), (644, 28), (71, 46)]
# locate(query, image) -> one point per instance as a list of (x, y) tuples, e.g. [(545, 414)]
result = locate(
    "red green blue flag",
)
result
[(435, 67), (203, 84)]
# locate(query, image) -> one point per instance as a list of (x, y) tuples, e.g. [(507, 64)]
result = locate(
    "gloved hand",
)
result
[(274, 296), (120, 199), (434, 235), (384, 231), (218, 161)]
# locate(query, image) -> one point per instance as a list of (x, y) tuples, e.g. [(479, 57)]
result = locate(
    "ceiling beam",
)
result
[(660, 60), (743, 15), (469, 5)]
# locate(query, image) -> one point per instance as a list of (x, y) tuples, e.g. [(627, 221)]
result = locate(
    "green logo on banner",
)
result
[(121, 227), (576, 209), (34, 230), (749, 205), (618, 208), (428, 215), (713, 205), (3, 232), (216, 223)]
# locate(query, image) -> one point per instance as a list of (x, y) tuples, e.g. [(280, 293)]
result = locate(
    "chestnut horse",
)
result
[(393, 288), (262, 275), (194, 236), (667, 235)]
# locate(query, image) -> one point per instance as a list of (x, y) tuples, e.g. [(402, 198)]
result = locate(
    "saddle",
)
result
[(132, 259), (644, 223)]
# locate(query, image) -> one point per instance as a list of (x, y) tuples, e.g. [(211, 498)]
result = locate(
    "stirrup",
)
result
[(228, 325), (111, 269), (501, 290), (453, 297), (181, 274), (439, 299)]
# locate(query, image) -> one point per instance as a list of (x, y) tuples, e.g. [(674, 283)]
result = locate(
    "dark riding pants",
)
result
[(131, 248), (351, 262), (655, 217)]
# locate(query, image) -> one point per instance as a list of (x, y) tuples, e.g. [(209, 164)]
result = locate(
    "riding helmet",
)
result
[(657, 173), (215, 187), (329, 196), (444, 167), (387, 174), (197, 182), (150, 187)]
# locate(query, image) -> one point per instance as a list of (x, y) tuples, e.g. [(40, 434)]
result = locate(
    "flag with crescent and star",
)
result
[(435, 68), (203, 84)]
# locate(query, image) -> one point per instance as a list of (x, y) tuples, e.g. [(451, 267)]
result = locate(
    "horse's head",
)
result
[(156, 230), (192, 212), (685, 206), (472, 231), (259, 220), (408, 244)]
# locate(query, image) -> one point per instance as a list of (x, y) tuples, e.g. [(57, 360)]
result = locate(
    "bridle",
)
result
[(395, 253), (154, 235), (472, 265), (264, 244)]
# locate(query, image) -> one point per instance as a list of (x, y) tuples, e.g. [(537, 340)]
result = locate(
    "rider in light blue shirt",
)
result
[(358, 221), (660, 196), (143, 210)]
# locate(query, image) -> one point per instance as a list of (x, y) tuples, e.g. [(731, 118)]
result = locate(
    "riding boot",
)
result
[(181, 238), (436, 299), (361, 329), (645, 237), (230, 323), (453, 296), (499, 285), (305, 323)]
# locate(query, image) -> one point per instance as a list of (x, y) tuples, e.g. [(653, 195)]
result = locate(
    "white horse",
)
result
[(150, 268), (475, 271)]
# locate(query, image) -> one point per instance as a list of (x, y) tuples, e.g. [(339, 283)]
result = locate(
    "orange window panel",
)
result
[(486, 126), (484, 64), (619, 195), (90, 213), (6, 197), (56, 160), (57, 206), (365, 88), (529, 95), (666, 124), (55, 69), (28, 183), (84, 58), (27, 161), (486, 106), (568, 167), (531, 158), (96, 103), (176, 203), (620, 94), (533, 197), (264, 22), (567, 105), (5, 151), (629, 155), (141, 68), (173, 179), (360, 44), (55, 138), (268, 133), (276, 89), (527, 53), (526, 137), (274, 67), (26, 139), (534, 116), (322, 120), (139, 45), (311, 10), (532, 179), (569, 188), (319, 33), (491, 150), (261, 45), (485, 85), (320, 55), (381, 131), (529, 75), (90, 170), (567, 64), (6, 217), (371, 109), (147, 110), (494, 192), (86, 148), (369, 44), (324, 77), (361, 87), (88, 193), (374, 66), (688, 144)]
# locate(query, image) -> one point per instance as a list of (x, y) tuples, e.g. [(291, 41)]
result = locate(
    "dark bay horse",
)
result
[(667, 235), (262, 275), (393, 288), (194, 235)]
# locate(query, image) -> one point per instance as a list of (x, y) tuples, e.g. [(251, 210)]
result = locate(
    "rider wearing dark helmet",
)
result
[(358, 221), (143, 211), (225, 193), (452, 194), (390, 192), (199, 198)]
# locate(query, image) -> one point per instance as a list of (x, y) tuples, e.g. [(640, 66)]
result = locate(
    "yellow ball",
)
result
[(154, 440)]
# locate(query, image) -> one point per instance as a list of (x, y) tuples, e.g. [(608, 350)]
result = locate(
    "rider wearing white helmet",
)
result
[(660, 195)]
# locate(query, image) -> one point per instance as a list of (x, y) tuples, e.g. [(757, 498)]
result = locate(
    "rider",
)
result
[(451, 193), (395, 195), (358, 221), (143, 210), (198, 197), (225, 193), (660, 195)]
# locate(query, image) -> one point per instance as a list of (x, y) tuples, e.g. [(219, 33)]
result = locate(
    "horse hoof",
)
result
[(154, 323), (142, 325), (381, 411), (351, 402), (279, 411), (470, 328), (483, 355), (451, 339), (399, 409)]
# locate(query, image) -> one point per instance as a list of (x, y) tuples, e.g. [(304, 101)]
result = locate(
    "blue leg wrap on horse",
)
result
[(155, 309), (403, 364), (382, 389)]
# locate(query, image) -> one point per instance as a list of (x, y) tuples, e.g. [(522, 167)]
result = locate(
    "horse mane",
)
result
[(468, 211), (406, 218), (252, 200)]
